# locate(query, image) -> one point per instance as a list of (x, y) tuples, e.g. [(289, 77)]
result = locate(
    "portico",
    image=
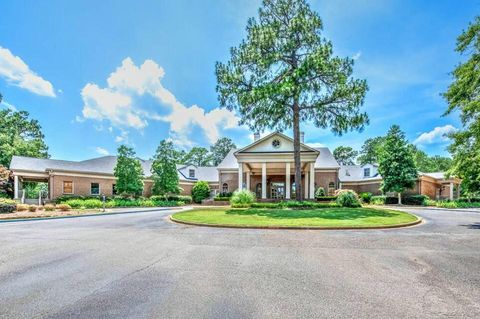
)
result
[(266, 167)]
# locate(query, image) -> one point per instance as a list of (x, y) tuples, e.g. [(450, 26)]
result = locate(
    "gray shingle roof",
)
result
[(325, 159), (101, 165), (354, 173)]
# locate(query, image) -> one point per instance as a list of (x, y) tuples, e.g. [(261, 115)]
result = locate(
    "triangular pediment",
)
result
[(274, 143)]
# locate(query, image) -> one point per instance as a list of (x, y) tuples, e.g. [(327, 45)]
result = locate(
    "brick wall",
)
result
[(323, 179), (81, 185), (231, 179)]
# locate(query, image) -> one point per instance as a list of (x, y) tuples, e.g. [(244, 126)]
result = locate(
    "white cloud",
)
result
[(116, 103), (102, 151), (17, 72), (122, 138), (437, 135), (316, 144), (9, 106), (357, 55)]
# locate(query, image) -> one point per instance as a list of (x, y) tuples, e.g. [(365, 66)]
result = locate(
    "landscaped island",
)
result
[(329, 217)]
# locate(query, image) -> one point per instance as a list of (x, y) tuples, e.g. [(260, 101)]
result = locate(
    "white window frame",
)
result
[(63, 188), (99, 189), (223, 189)]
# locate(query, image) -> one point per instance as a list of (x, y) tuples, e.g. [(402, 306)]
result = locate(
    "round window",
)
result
[(276, 143)]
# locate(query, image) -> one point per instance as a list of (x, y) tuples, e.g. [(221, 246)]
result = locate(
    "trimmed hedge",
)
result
[(415, 200), (366, 197), (326, 198), (294, 205), (221, 199)]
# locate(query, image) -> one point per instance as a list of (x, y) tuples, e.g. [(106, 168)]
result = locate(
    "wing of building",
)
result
[(265, 167)]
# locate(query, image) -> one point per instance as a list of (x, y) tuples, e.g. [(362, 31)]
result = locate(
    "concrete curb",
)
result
[(12, 220), (414, 223)]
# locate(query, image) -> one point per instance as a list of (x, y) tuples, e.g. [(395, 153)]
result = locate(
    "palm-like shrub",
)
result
[(347, 198), (320, 192), (242, 198), (200, 191)]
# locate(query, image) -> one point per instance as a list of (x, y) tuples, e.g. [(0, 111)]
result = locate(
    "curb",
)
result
[(13, 220), (414, 223)]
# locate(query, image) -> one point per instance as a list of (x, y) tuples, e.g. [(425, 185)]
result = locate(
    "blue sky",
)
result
[(100, 73)]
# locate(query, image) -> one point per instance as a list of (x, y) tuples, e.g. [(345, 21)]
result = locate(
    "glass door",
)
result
[(277, 190)]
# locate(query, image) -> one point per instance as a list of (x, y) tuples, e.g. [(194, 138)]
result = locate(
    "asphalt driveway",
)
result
[(143, 266)]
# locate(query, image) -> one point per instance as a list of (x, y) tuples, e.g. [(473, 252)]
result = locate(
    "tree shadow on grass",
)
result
[(325, 213)]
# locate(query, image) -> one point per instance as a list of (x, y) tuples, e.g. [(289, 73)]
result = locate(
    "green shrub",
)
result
[(49, 208), (32, 208), (366, 197), (326, 198), (200, 191), (64, 207), (221, 199), (7, 208), (469, 200), (294, 205), (74, 203), (7, 201), (225, 194), (378, 200), (242, 197), (348, 198), (415, 200), (320, 192), (267, 205)]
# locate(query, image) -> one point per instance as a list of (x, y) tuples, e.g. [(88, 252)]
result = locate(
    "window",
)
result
[(191, 173), (276, 143), (114, 189), (331, 188), (67, 187), (366, 172), (95, 189), (225, 188)]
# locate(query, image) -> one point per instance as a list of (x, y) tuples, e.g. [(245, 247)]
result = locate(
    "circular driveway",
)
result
[(144, 266)]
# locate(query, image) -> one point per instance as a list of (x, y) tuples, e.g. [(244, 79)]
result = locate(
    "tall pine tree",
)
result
[(396, 164), (285, 73)]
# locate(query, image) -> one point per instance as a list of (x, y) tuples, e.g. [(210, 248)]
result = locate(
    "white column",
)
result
[(240, 176), (248, 180), (287, 181), (264, 180), (451, 191), (312, 181), (15, 185), (306, 185)]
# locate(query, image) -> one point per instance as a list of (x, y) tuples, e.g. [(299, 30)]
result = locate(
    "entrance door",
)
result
[(277, 190)]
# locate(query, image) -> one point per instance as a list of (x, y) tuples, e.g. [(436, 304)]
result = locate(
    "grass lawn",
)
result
[(324, 217)]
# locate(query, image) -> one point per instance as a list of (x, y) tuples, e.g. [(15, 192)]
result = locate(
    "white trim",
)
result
[(360, 183), (264, 180), (270, 135), (99, 189), (15, 186), (287, 180), (312, 181)]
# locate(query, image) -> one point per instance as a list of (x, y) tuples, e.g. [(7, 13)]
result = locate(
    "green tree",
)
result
[(220, 149), (396, 164), (428, 164), (285, 72), (198, 156), (370, 149), (345, 155), (20, 135), (129, 172), (200, 191), (463, 95), (164, 169)]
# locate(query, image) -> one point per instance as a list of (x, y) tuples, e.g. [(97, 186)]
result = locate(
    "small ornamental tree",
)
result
[(6, 185), (220, 149), (345, 155), (164, 170), (285, 72), (200, 191), (396, 164), (129, 172)]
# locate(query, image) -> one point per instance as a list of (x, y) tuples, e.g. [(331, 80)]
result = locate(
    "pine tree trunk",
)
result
[(296, 151)]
